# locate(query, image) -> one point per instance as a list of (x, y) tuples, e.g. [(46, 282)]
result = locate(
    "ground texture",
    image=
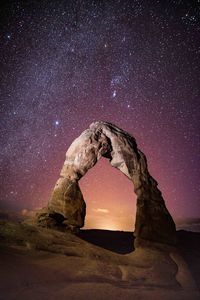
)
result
[(38, 263)]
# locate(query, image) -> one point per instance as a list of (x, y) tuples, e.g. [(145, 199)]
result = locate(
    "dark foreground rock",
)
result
[(38, 263)]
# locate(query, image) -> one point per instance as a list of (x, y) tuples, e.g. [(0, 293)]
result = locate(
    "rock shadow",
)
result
[(116, 241), (189, 246)]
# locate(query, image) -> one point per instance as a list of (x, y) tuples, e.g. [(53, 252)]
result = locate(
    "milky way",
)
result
[(65, 64)]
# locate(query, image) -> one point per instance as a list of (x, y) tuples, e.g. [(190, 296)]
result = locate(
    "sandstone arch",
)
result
[(153, 221)]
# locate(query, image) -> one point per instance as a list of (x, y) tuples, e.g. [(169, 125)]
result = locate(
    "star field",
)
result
[(65, 64)]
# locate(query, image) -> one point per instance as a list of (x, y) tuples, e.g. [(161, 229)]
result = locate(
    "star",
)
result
[(114, 94), (124, 39)]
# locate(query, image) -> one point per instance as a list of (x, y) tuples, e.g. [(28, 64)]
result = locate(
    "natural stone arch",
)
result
[(153, 221)]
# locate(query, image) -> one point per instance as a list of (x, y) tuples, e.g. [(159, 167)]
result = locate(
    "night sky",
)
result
[(65, 64)]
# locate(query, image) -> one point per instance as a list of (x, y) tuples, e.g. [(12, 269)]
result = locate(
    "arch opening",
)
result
[(110, 208), (110, 198)]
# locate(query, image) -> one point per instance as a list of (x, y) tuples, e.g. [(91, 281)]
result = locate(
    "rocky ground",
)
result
[(38, 263)]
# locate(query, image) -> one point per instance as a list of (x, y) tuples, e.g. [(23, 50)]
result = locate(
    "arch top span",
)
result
[(103, 139)]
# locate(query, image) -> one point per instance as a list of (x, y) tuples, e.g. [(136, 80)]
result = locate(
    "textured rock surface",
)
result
[(40, 263), (153, 221)]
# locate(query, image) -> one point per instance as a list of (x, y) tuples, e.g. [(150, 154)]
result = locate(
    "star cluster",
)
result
[(65, 64)]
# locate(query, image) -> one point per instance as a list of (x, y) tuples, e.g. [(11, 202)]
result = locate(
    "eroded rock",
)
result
[(153, 221)]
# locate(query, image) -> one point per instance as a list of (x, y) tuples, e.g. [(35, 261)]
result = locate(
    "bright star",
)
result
[(114, 93), (57, 122)]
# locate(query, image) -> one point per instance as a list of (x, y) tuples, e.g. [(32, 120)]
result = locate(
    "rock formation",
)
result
[(102, 139)]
